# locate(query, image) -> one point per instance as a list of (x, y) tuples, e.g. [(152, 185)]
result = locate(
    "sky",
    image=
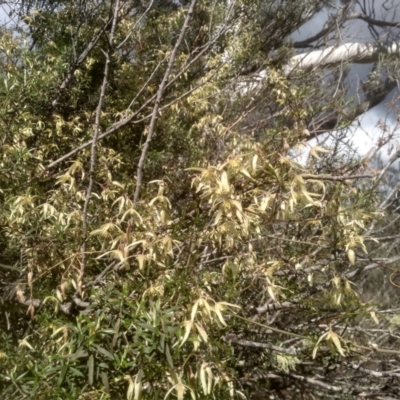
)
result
[(4, 17)]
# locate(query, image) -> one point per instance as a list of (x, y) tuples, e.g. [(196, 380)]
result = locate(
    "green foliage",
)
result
[(168, 287)]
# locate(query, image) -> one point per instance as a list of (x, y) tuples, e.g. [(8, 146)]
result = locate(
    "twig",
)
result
[(374, 265), (275, 307), (391, 160), (335, 178), (249, 343), (315, 382), (160, 93), (270, 327), (146, 84), (134, 26), (377, 374), (383, 238), (9, 267), (100, 276)]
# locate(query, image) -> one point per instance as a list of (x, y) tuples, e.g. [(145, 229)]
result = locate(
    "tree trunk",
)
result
[(356, 53)]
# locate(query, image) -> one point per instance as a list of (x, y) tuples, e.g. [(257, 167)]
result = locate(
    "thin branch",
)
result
[(391, 160), (383, 238), (335, 178), (10, 267), (160, 93), (78, 62), (376, 374), (113, 128), (307, 42), (94, 142), (249, 343), (388, 199), (372, 21), (373, 265), (101, 275), (275, 307), (136, 24), (75, 65), (146, 84), (271, 328), (315, 382), (176, 99)]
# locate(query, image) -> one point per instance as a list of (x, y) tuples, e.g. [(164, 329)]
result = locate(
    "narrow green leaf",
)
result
[(91, 369)]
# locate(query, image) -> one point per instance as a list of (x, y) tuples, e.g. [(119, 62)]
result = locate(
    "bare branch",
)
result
[(373, 265), (249, 343), (335, 178), (372, 21), (275, 307), (391, 160), (307, 42), (376, 374), (160, 93), (79, 61), (134, 26), (316, 382), (94, 142), (101, 275)]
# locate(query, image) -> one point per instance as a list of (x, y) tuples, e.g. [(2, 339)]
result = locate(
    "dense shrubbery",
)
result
[(157, 238)]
